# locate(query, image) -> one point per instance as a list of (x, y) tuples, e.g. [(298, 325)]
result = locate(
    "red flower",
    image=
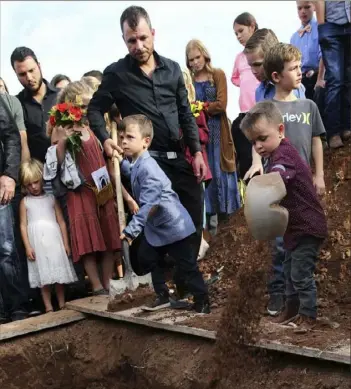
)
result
[(62, 107), (52, 120), (76, 112)]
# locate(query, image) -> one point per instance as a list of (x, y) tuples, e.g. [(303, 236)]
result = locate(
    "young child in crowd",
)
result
[(307, 226), (44, 236), (165, 223), (244, 27), (303, 127), (255, 49), (94, 227)]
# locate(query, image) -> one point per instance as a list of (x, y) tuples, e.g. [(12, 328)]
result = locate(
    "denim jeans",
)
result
[(299, 265), (13, 298), (276, 284), (334, 41)]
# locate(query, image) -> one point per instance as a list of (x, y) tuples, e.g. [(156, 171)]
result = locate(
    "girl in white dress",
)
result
[(44, 236)]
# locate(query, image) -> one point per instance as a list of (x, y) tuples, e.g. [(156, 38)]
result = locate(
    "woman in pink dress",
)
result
[(244, 26)]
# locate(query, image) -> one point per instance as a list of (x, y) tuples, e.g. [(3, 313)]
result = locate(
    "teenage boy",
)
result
[(307, 227), (165, 223)]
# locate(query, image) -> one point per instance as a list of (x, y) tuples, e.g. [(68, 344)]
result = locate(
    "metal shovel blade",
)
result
[(266, 219), (130, 280)]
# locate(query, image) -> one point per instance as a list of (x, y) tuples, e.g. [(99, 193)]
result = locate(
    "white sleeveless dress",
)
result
[(51, 263)]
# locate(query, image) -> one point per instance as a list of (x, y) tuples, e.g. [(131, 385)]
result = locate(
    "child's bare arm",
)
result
[(256, 166), (24, 232), (317, 154), (320, 11), (61, 222)]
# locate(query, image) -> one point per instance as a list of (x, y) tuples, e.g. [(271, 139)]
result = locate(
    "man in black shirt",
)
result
[(37, 98), (146, 83)]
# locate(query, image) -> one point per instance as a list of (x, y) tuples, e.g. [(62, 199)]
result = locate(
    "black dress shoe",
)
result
[(4, 320), (19, 315)]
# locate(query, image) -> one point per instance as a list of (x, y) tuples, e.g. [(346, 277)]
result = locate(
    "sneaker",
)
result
[(4, 320), (202, 306), (19, 315), (289, 312), (346, 135), (303, 323), (162, 298), (275, 304), (335, 142)]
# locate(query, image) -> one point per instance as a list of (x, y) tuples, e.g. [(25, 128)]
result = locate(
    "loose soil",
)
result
[(102, 354)]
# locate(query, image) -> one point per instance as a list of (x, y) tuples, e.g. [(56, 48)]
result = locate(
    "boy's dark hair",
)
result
[(20, 54), (94, 73), (263, 110), (132, 16), (276, 57), (246, 19), (262, 39), (58, 78), (143, 122)]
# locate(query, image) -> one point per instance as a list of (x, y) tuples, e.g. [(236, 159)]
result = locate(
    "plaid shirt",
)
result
[(306, 215)]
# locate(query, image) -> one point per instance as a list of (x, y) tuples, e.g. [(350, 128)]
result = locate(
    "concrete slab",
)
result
[(39, 323), (170, 320)]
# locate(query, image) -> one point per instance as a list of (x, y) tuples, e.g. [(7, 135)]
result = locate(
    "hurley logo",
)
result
[(302, 117)]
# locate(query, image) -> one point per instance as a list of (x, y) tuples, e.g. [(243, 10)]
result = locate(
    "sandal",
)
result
[(101, 292), (48, 311)]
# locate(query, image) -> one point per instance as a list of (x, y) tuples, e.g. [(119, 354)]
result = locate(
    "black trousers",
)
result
[(150, 257), (243, 147), (191, 195)]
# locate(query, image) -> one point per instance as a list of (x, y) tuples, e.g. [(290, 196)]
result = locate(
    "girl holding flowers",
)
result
[(221, 196), (94, 227)]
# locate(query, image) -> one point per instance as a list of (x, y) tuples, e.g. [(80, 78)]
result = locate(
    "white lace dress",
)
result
[(51, 263)]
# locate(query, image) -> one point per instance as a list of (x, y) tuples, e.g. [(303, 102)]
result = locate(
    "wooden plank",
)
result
[(97, 306), (39, 323), (169, 320)]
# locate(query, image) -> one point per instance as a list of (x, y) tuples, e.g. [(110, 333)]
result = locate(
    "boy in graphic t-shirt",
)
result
[(303, 127)]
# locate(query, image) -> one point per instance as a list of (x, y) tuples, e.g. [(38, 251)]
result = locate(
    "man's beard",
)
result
[(34, 91), (145, 58)]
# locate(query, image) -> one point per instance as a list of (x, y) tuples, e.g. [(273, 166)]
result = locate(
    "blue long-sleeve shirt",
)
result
[(266, 91), (309, 47)]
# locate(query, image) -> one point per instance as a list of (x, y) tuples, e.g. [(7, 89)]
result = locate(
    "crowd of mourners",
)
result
[(184, 164)]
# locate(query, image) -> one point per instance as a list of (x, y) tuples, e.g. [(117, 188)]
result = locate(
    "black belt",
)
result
[(164, 154)]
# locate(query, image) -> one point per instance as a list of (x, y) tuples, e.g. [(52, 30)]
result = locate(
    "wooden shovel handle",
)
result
[(119, 194)]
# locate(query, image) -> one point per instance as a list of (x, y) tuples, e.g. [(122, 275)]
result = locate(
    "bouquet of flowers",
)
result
[(68, 114), (197, 107)]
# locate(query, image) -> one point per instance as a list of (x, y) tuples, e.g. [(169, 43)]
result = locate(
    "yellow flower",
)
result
[(196, 114)]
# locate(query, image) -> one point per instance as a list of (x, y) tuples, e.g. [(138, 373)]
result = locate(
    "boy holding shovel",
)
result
[(165, 223), (307, 227)]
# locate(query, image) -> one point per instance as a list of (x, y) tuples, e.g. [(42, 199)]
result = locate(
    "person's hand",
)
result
[(30, 254), (199, 166), (125, 237), (110, 146), (310, 73), (319, 184), (7, 189), (320, 83), (68, 250), (133, 206), (255, 168)]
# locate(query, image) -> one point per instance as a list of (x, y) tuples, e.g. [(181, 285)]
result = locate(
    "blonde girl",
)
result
[(221, 195), (45, 237)]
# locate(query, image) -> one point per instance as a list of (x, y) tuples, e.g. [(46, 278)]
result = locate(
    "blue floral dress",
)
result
[(222, 195)]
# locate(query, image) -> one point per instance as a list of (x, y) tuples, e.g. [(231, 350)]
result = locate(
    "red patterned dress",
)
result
[(91, 229)]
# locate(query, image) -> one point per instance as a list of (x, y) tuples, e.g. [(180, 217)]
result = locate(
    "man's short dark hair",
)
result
[(132, 16), (94, 73), (20, 54)]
